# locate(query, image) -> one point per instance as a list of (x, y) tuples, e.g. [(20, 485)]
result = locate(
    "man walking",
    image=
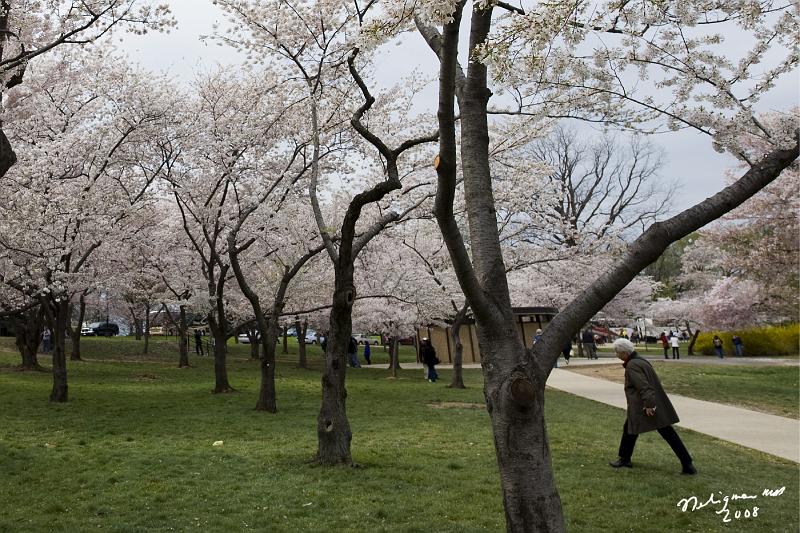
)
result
[(649, 409), (198, 342), (589, 347), (352, 353)]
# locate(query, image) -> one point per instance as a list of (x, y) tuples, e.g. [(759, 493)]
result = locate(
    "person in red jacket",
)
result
[(664, 344)]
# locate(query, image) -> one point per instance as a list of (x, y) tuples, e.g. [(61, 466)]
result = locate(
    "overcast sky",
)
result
[(690, 160)]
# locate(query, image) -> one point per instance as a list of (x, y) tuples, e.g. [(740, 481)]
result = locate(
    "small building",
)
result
[(527, 320)]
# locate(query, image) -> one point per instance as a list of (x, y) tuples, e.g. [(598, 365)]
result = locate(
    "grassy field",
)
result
[(162, 348), (770, 389), (132, 451)]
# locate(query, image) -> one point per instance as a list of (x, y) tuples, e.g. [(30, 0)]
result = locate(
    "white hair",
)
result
[(624, 346)]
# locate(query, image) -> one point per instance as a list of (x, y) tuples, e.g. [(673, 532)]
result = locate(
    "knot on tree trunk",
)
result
[(522, 391)]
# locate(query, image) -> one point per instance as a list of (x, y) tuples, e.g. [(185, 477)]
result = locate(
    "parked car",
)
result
[(411, 340), (311, 336), (105, 329), (244, 339), (291, 332), (364, 339), (86, 331)]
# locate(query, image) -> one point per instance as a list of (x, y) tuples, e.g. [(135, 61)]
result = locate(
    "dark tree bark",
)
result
[(28, 328), (302, 361), (286, 339), (75, 333), (137, 323), (694, 339), (146, 348), (183, 333), (458, 358), (394, 355), (333, 427), (57, 314), (218, 327)]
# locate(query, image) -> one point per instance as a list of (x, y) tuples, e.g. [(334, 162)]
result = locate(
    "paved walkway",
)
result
[(772, 434)]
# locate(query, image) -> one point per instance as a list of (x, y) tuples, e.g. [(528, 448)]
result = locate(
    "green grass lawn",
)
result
[(132, 451), (770, 389), (166, 347)]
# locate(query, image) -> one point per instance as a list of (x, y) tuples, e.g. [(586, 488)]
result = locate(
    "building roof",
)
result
[(534, 310)]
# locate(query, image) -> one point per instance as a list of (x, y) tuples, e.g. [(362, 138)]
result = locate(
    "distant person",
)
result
[(428, 355), (718, 348), (566, 351), (538, 336), (589, 347), (675, 342), (367, 353), (664, 344), (47, 338), (198, 342), (352, 353), (323, 343), (738, 345), (649, 409)]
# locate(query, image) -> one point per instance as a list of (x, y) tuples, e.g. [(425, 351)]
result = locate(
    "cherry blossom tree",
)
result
[(31, 28), (87, 127), (314, 40), (289, 241), (691, 74), (180, 273), (742, 271)]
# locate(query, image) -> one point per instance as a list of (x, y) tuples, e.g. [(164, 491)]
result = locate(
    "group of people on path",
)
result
[(671, 341), (719, 347)]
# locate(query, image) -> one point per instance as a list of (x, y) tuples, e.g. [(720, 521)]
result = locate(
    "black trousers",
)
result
[(628, 442)]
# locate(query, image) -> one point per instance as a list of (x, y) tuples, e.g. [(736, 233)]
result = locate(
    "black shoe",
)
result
[(689, 470), (619, 463)]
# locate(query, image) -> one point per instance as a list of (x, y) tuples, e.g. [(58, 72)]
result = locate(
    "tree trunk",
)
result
[(219, 335), (183, 330), (7, 155), (28, 327), (60, 315), (75, 333), (694, 339), (267, 398), (333, 428), (394, 355), (146, 349), (301, 343), (137, 324), (458, 372), (286, 339), (515, 401)]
